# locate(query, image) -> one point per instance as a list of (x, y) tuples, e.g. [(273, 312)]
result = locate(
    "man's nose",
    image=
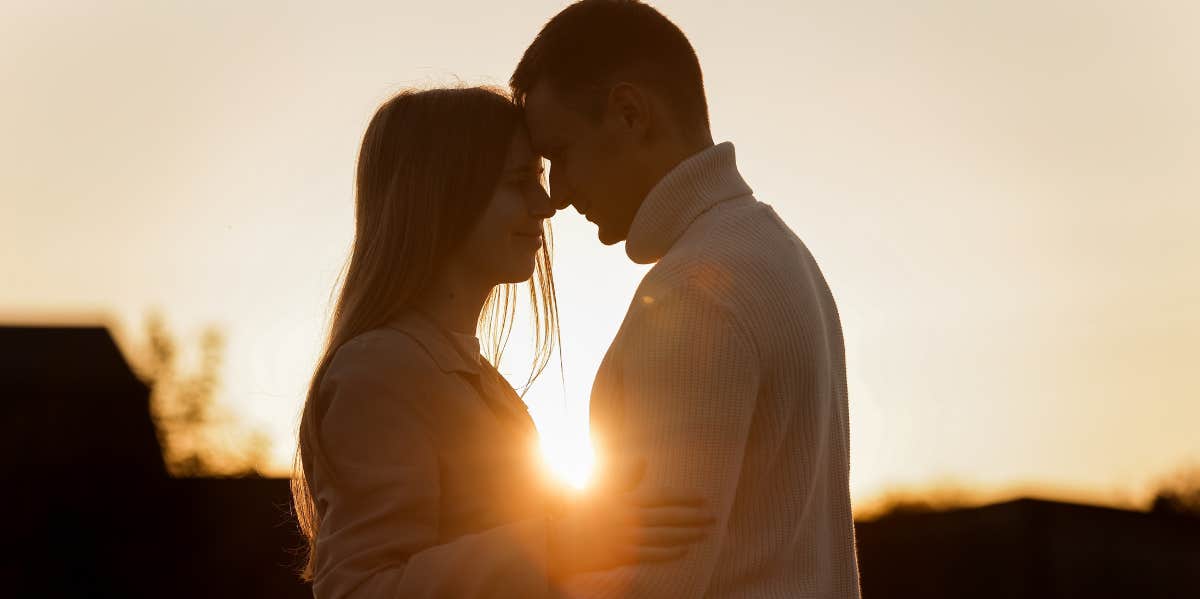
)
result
[(559, 198)]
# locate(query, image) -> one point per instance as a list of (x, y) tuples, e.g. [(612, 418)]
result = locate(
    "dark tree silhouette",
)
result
[(1180, 494), (198, 437)]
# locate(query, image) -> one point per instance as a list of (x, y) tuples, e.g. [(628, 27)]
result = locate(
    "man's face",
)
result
[(594, 164)]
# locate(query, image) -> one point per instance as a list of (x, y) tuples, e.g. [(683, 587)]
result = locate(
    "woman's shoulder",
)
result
[(383, 351), (383, 375), (377, 383)]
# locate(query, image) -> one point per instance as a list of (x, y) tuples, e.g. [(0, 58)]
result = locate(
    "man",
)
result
[(728, 373)]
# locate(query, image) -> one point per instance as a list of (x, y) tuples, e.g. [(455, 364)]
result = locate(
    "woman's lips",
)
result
[(534, 239)]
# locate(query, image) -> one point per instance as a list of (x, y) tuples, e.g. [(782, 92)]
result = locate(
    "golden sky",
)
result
[(1004, 197)]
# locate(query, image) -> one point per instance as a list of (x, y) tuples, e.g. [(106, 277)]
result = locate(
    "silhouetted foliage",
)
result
[(926, 501), (198, 437), (1180, 495)]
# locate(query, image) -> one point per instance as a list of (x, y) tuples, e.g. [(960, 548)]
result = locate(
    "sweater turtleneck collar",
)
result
[(700, 182)]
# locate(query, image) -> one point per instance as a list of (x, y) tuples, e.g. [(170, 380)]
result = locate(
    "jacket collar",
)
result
[(700, 182), (437, 343), (493, 389)]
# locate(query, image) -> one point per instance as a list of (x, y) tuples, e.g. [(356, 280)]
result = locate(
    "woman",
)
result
[(417, 468)]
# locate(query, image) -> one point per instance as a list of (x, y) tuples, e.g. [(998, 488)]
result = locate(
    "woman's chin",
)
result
[(519, 274)]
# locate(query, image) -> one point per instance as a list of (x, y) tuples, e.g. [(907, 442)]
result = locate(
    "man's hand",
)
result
[(614, 526)]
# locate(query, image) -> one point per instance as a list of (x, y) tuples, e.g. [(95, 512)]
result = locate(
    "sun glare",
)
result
[(570, 460)]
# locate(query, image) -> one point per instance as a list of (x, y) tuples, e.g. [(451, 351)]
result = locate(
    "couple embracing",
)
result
[(720, 406)]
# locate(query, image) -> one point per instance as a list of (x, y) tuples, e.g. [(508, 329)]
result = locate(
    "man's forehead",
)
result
[(540, 98), (542, 112)]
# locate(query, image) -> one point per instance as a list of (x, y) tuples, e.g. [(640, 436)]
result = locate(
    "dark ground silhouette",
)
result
[(97, 515), (95, 512), (1030, 548)]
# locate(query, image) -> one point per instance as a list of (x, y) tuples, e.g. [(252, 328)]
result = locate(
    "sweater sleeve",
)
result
[(378, 534), (687, 390)]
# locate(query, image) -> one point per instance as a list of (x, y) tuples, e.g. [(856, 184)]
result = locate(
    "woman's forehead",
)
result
[(520, 151)]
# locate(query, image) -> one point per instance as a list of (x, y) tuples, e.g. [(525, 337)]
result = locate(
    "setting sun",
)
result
[(570, 460)]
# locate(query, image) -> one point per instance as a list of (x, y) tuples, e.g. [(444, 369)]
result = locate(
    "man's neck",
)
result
[(692, 186), (678, 151)]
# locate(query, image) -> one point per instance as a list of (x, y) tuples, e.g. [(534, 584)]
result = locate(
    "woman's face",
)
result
[(506, 238)]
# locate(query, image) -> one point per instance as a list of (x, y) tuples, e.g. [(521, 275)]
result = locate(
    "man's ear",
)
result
[(630, 106)]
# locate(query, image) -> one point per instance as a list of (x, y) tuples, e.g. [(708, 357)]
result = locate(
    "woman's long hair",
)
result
[(429, 164)]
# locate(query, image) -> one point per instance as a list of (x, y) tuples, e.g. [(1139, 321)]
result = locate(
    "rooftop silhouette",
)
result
[(95, 511)]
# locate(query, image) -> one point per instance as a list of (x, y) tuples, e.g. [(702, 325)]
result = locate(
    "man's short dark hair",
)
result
[(592, 44)]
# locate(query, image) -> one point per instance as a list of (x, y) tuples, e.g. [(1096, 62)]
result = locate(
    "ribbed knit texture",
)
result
[(728, 376)]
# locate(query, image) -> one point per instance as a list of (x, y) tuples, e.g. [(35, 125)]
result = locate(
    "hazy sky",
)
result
[(1004, 197)]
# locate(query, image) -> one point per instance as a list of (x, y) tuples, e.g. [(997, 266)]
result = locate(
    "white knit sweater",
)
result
[(728, 375)]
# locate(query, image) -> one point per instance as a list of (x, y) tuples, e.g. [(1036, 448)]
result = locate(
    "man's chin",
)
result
[(608, 238)]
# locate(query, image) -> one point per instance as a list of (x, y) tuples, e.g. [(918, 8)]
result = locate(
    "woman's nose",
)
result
[(540, 205)]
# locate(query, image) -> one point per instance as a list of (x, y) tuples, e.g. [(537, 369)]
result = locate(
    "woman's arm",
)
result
[(379, 492)]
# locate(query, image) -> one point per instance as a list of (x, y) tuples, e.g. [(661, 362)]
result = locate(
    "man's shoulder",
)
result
[(744, 228), (741, 240), (747, 260)]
